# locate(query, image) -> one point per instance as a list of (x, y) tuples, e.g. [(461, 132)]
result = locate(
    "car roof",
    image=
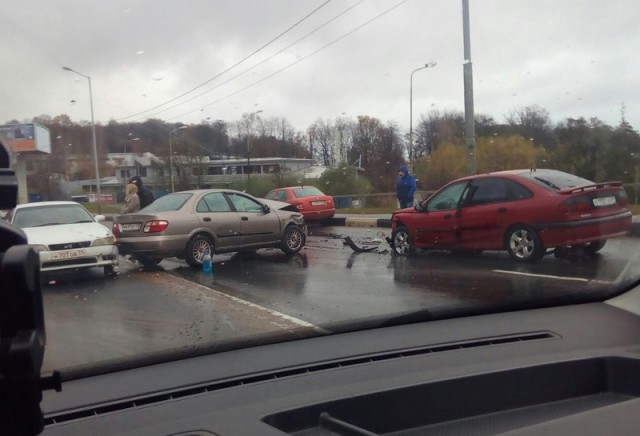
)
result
[(46, 203), (510, 173), (200, 191), (295, 187)]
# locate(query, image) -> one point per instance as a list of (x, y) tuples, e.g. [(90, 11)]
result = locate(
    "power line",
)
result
[(261, 62), (232, 66), (366, 23)]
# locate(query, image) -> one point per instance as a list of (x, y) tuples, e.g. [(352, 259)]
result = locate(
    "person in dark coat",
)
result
[(405, 187), (145, 195)]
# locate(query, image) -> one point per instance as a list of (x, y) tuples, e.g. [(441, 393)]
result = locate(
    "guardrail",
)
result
[(377, 200)]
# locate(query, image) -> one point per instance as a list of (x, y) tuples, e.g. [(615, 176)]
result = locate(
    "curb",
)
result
[(355, 221)]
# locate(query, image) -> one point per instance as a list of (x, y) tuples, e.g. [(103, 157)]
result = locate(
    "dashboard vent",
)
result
[(53, 419)]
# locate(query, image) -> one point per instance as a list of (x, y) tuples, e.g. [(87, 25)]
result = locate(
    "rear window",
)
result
[(555, 180), (307, 192), (168, 203), (277, 195)]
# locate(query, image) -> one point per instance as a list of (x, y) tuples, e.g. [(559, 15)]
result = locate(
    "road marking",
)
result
[(272, 312), (547, 276)]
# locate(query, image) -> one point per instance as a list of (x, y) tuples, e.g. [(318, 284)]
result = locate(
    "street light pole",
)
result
[(469, 114), (427, 65), (93, 132), (249, 150), (128, 141), (636, 176), (173, 189)]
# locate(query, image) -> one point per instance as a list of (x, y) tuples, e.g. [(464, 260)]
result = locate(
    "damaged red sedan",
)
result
[(312, 203), (525, 212)]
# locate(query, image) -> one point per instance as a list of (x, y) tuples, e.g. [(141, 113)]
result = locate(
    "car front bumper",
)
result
[(103, 255)]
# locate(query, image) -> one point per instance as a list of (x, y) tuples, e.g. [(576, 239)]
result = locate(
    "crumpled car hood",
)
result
[(279, 205)]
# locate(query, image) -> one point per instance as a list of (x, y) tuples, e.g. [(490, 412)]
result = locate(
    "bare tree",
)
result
[(320, 136)]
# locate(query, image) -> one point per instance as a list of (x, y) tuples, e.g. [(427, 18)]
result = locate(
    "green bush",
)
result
[(343, 180)]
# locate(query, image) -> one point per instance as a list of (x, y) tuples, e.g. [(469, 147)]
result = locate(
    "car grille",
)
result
[(69, 245), (71, 262)]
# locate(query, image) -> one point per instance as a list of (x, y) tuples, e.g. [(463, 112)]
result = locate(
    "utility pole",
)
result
[(469, 131)]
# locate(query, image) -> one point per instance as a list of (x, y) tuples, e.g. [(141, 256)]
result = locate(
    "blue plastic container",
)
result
[(207, 264)]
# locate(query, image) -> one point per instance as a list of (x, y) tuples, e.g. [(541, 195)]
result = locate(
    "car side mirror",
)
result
[(100, 218), (266, 208), (419, 207)]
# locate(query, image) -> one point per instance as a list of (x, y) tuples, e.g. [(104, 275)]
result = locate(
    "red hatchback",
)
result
[(525, 212), (312, 203)]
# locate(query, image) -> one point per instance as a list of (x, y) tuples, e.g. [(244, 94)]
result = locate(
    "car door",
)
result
[(487, 212), (437, 220), (215, 213), (258, 227)]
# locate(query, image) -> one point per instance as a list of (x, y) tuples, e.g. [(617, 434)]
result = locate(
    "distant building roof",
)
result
[(131, 159)]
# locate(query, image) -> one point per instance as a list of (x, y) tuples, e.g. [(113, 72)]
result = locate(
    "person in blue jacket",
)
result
[(405, 187)]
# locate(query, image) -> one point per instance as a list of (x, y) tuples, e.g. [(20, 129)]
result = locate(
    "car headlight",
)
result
[(39, 247), (109, 240)]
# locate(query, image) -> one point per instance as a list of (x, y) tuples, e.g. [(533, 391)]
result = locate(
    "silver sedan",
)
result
[(188, 224)]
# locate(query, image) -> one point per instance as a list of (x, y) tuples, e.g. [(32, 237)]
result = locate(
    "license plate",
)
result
[(130, 227), (317, 203), (68, 254), (604, 201)]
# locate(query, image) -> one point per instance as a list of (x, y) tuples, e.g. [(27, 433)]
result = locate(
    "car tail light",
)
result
[(622, 199), (155, 226), (577, 205), (115, 228), (300, 206)]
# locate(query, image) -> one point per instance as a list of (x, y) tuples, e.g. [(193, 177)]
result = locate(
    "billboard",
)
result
[(26, 138)]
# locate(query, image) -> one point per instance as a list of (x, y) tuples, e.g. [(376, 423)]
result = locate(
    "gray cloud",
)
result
[(571, 58)]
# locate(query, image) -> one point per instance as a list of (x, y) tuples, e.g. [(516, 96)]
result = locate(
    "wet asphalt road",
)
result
[(91, 319)]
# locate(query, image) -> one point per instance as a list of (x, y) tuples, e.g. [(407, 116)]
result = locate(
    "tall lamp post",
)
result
[(128, 141), (93, 132), (427, 65), (469, 114), (249, 150), (173, 189), (636, 176)]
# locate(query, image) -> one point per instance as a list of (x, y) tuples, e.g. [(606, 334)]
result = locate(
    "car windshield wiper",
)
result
[(548, 183), (48, 224), (81, 221)]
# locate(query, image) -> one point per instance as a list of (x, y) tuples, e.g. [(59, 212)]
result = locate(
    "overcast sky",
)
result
[(348, 58)]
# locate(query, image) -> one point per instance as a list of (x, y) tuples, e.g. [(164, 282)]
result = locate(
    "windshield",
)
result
[(51, 215), (446, 147)]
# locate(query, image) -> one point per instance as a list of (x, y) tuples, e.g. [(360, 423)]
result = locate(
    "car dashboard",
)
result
[(562, 370)]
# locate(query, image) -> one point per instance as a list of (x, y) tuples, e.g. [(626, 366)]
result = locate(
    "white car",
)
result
[(66, 236)]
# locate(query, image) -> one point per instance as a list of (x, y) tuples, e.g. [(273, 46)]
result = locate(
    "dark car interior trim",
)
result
[(558, 366)]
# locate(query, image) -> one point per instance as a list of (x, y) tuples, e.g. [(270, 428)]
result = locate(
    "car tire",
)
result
[(148, 261), (595, 246), (523, 244), (293, 239), (402, 242), (196, 247), (110, 271)]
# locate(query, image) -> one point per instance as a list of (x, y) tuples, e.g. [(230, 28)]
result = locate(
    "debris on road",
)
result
[(355, 248)]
